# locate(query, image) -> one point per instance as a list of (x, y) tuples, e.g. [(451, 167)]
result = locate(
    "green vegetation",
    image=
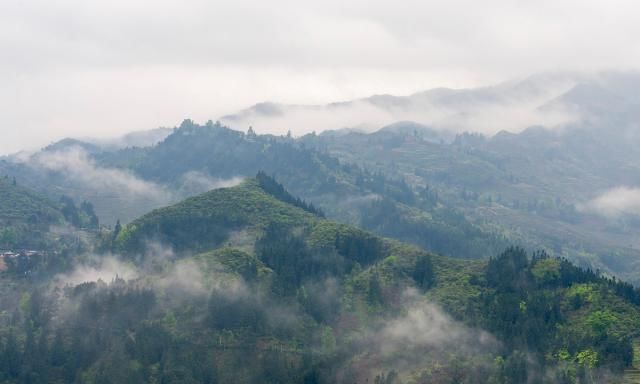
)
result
[(26, 217), (272, 293), (205, 221), (341, 190), (520, 188), (252, 284)]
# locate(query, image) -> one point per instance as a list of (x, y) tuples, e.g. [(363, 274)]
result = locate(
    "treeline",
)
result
[(83, 216), (294, 262), (121, 333), (527, 305), (275, 189)]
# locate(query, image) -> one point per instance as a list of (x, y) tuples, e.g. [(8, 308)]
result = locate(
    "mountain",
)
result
[(536, 186), (344, 191), (194, 158), (212, 217), (467, 195), (249, 284), (553, 100), (513, 106)]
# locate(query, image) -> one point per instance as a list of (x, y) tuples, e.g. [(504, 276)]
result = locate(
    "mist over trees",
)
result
[(285, 295)]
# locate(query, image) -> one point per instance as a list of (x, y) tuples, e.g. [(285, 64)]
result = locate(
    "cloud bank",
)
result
[(511, 107), (422, 334), (117, 194), (615, 203), (75, 164), (96, 268)]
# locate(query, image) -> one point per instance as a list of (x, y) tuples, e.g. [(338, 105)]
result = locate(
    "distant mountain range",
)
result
[(569, 189), (412, 250), (550, 100)]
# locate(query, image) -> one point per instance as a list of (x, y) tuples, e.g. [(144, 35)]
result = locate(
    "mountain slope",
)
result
[(212, 216), (25, 216), (248, 284), (342, 281), (534, 187), (126, 183), (513, 106)]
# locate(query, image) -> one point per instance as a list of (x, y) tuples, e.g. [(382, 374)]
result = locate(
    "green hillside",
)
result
[(329, 302), (346, 192), (25, 216), (250, 284), (205, 221), (30, 221), (193, 158), (527, 187)]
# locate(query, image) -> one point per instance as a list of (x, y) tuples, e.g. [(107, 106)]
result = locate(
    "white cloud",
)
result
[(75, 164), (428, 327), (421, 335), (105, 268), (615, 202), (512, 107), (115, 193), (425, 326), (194, 182)]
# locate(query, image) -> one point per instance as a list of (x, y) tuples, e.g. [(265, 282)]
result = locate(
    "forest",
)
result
[(250, 284)]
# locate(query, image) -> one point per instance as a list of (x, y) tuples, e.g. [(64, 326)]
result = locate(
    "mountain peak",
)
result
[(205, 221)]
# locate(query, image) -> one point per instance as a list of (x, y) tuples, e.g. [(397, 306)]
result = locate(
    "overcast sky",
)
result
[(102, 68)]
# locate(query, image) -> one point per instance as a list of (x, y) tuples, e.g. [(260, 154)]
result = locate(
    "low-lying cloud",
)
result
[(615, 203), (194, 182), (97, 268), (117, 194), (75, 164), (422, 335), (425, 326), (511, 107)]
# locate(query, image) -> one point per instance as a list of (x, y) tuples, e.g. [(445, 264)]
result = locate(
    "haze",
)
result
[(100, 69)]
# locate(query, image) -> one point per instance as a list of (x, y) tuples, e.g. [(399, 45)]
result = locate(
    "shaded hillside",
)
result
[(25, 216), (531, 187)]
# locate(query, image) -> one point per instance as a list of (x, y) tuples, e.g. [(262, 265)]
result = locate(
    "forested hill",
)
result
[(26, 216), (467, 198), (126, 183), (207, 220), (18, 203), (536, 186), (344, 190), (237, 285)]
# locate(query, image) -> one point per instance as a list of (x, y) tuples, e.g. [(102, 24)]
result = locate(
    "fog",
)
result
[(511, 106), (73, 68), (615, 203), (118, 194)]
